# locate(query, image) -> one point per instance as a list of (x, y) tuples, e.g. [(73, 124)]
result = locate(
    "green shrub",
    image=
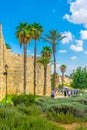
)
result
[(31, 110), (81, 128), (71, 105), (50, 116), (2, 113), (25, 120), (9, 97), (67, 118), (23, 99)]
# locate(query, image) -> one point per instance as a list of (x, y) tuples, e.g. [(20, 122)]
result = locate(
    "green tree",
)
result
[(46, 52), (8, 46), (45, 60), (79, 78), (54, 37), (62, 69), (24, 36), (36, 34)]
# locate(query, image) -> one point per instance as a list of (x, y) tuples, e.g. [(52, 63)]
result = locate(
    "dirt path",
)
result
[(71, 126), (68, 126)]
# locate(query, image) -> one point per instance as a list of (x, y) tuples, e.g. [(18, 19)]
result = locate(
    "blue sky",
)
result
[(67, 16)]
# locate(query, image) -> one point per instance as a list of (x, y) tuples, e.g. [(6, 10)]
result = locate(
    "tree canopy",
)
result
[(79, 78), (63, 68), (8, 46)]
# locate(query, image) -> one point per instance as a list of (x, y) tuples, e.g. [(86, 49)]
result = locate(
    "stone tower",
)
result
[(15, 72)]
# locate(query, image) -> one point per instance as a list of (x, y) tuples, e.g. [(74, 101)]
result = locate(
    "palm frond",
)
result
[(23, 33), (53, 37)]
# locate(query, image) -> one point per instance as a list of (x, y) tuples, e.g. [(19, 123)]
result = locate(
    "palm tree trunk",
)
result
[(45, 80), (25, 55), (54, 55), (62, 81), (35, 69)]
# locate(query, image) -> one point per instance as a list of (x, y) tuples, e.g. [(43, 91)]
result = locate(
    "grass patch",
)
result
[(24, 118), (65, 110), (9, 97), (38, 112), (81, 128)]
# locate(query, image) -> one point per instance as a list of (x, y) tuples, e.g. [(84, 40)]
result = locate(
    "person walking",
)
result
[(52, 93)]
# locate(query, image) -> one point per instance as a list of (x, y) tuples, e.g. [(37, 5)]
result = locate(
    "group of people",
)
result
[(68, 92)]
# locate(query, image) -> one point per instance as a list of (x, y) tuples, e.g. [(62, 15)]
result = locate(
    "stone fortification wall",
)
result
[(15, 72), (2, 83)]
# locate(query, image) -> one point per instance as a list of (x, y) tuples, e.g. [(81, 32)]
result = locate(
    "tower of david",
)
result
[(15, 76)]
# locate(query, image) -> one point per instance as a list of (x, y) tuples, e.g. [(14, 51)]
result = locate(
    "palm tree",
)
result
[(63, 69), (36, 34), (45, 60), (46, 52), (54, 37), (24, 36), (52, 80)]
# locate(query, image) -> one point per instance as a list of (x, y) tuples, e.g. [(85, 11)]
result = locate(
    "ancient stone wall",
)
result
[(15, 73)]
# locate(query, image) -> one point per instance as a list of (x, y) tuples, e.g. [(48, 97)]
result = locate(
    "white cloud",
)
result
[(57, 67), (73, 57), (68, 37), (28, 51), (78, 47), (62, 51), (85, 52), (78, 10), (68, 71), (38, 55), (83, 34)]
